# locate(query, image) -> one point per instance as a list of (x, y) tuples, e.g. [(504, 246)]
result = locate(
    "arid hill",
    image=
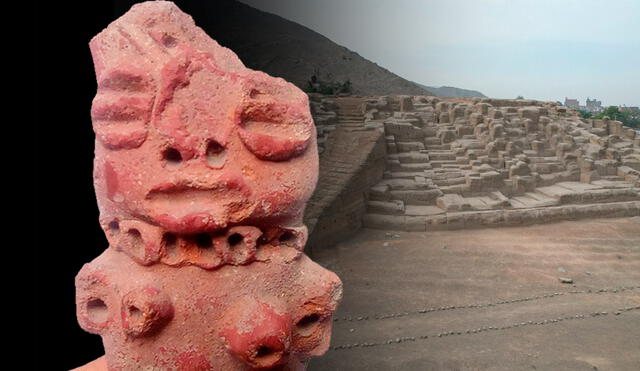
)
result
[(453, 92), (270, 43)]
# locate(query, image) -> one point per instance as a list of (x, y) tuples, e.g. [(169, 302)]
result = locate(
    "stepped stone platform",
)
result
[(466, 163)]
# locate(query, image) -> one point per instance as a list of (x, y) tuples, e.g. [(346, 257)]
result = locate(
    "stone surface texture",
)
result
[(202, 170), (453, 163)]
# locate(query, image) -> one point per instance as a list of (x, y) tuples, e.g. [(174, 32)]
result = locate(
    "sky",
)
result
[(538, 49)]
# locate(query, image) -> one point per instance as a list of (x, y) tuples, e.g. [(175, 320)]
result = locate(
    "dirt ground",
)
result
[(489, 299)]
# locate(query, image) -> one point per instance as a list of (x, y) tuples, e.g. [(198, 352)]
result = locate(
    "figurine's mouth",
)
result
[(185, 207), (189, 189)]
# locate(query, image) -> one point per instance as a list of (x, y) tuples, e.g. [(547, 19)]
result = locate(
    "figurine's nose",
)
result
[(260, 338), (213, 154)]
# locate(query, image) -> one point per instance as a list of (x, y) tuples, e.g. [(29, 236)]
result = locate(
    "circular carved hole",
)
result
[(266, 357), (306, 325), (263, 351), (235, 239), (262, 240), (114, 226), (97, 311), (308, 320), (204, 241), (135, 313), (134, 243), (215, 154), (172, 156), (286, 236), (169, 41), (170, 242), (254, 93), (135, 235)]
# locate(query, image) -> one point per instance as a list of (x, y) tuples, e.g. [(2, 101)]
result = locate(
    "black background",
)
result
[(68, 234)]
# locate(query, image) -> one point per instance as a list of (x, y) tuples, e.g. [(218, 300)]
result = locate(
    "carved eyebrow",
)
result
[(121, 80), (122, 108)]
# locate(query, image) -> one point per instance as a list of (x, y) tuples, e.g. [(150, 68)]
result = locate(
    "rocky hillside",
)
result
[(451, 92), (270, 43)]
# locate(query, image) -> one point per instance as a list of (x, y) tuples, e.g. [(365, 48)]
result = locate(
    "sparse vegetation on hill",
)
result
[(327, 85)]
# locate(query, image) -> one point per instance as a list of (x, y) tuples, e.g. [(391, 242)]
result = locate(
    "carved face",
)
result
[(195, 149), (195, 319)]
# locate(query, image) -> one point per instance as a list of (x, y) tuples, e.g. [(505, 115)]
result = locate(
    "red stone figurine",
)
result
[(202, 170)]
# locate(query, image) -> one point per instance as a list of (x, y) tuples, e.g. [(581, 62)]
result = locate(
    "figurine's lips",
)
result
[(230, 184), (189, 207)]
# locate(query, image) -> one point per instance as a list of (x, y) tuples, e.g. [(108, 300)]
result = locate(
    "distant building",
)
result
[(571, 103), (594, 106), (635, 110)]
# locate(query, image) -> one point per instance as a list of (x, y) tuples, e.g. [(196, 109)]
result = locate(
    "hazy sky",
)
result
[(540, 49)]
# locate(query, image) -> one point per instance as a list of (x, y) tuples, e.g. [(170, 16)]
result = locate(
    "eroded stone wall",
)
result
[(468, 163)]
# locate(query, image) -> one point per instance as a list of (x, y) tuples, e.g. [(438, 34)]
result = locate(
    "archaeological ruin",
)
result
[(421, 163), (233, 186)]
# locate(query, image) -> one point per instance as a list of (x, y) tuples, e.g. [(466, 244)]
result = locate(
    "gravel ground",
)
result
[(489, 299)]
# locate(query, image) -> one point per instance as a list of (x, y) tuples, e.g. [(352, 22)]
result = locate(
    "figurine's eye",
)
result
[(275, 132), (120, 120), (122, 108)]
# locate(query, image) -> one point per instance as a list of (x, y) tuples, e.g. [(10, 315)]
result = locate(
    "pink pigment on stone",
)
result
[(202, 170)]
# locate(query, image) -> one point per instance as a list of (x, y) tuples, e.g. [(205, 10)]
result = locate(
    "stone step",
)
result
[(409, 146), (395, 166), (456, 188), (500, 198), (495, 218), (532, 200), (609, 183), (432, 141), (422, 210), (441, 155), (404, 184), (449, 181), (413, 157), (393, 207), (544, 160), (451, 166), (417, 196), (500, 218), (453, 202), (352, 124), (440, 163), (439, 147), (482, 203), (614, 178), (582, 193), (402, 174), (379, 193), (415, 167)]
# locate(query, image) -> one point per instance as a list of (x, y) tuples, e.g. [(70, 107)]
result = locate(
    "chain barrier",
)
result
[(613, 290)]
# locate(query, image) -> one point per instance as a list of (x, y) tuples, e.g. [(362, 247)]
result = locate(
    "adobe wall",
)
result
[(351, 163)]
